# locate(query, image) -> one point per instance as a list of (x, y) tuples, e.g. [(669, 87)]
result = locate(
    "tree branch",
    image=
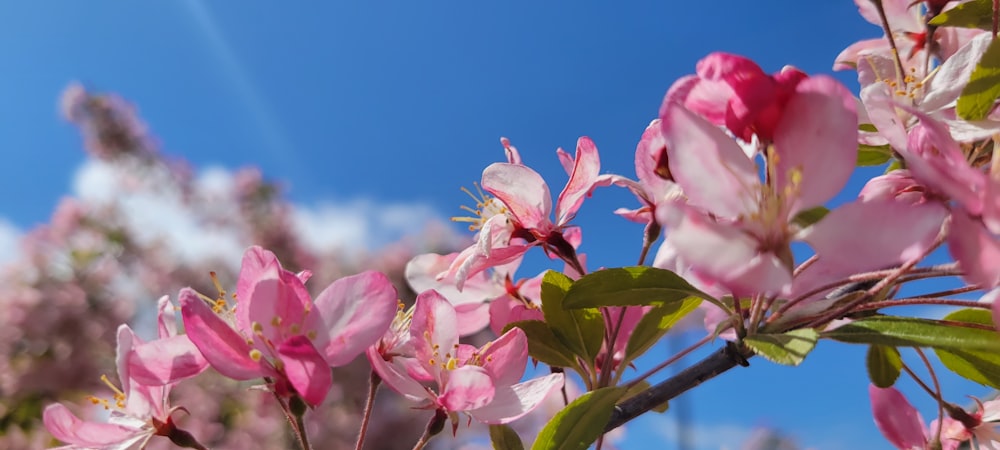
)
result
[(715, 364)]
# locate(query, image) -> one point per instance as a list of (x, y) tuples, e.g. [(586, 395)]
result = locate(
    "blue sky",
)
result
[(404, 102)]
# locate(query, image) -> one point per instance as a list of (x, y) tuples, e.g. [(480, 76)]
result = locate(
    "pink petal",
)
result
[(851, 56), (726, 255), (434, 327), (395, 374), (896, 418), (585, 171), (816, 141), (66, 427), (708, 165), (493, 248), (166, 361), (708, 98), (506, 357), (222, 347), (875, 234), (166, 320), (513, 156), (472, 317), (934, 158), (467, 388), (257, 264), (279, 295), (306, 369), (523, 191), (975, 249), (512, 402), (649, 154), (353, 312), (953, 75)]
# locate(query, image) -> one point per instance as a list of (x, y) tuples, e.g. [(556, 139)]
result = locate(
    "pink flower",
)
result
[(736, 229), (899, 421), (278, 331), (171, 358), (488, 298), (656, 186), (137, 412), (483, 383), (522, 219)]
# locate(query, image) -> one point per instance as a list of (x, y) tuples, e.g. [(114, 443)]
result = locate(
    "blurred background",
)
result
[(148, 143)]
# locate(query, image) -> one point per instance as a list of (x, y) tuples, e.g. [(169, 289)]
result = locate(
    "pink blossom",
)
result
[(899, 421), (137, 412), (483, 383), (736, 229), (656, 186), (278, 331), (522, 220)]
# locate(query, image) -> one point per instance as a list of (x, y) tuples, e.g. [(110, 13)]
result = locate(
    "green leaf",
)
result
[(913, 332), (629, 286), (582, 330), (884, 365), (980, 366), (979, 96), (974, 14), (654, 324), (810, 216), (543, 344), (581, 422), (867, 127), (504, 437), (789, 348), (978, 316), (873, 155), (894, 165)]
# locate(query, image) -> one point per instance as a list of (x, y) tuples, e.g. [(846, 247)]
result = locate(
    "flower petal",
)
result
[(975, 249), (67, 427), (816, 141), (166, 361), (467, 388), (708, 165), (355, 312), (306, 369), (506, 357), (586, 168), (896, 418), (222, 347), (434, 327), (512, 402), (523, 191)]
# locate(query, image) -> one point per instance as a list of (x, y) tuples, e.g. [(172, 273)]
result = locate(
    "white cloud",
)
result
[(358, 224), (10, 238)]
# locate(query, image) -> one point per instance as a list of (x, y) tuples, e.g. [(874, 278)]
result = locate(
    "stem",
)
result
[(996, 17), (434, 426), (937, 389), (303, 436), (649, 237), (609, 354), (373, 382), (712, 366), (892, 40), (923, 301), (670, 361)]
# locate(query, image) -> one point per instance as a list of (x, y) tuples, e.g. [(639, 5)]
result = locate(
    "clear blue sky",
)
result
[(402, 101)]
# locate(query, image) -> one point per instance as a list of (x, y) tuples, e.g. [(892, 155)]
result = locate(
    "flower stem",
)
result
[(373, 383), (434, 426)]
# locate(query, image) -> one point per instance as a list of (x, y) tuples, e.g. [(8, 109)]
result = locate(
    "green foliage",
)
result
[(979, 96), (981, 366), (543, 344), (654, 324), (581, 422), (582, 330), (789, 348), (504, 437), (884, 365), (873, 155), (972, 14), (629, 286), (913, 332)]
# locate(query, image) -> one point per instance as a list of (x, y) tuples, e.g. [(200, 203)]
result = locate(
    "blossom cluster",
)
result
[(734, 174)]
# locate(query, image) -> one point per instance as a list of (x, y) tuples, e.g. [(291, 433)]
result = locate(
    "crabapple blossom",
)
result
[(277, 331)]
